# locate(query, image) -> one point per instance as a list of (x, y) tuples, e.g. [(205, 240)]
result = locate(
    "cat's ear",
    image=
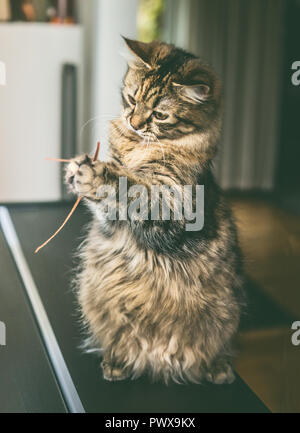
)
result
[(197, 93), (140, 53)]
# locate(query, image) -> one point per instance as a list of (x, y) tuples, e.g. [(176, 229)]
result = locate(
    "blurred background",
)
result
[(61, 67)]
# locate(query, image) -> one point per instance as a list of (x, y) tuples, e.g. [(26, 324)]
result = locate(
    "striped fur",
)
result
[(157, 298)]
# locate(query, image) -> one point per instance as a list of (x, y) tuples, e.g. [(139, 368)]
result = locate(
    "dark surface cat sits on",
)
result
[(52, 271)]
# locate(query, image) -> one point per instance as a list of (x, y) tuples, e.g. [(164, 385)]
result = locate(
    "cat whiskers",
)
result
[(148, 138), (120, 130), (161, 147), (100, 117), (151, 137), (146, 141)]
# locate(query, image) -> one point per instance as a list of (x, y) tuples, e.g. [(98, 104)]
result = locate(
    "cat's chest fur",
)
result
[(134, 159), (133, 151)]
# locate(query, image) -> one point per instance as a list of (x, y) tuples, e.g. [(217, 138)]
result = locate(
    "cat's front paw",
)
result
[(84, 176)]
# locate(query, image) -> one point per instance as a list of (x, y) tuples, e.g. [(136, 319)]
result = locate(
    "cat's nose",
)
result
[(137, 122)]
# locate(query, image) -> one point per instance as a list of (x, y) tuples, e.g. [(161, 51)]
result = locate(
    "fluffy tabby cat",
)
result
[(155, 297)]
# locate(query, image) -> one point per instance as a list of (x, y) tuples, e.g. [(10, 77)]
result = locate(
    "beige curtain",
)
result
[(242, 39)]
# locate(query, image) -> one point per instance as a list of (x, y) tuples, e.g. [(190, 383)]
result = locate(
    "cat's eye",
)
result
[(131, 100), (160, 116)]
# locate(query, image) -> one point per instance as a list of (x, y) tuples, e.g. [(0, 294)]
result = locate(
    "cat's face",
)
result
[(168, 93)]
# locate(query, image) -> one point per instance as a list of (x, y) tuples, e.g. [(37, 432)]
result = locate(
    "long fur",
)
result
[(156, 298)]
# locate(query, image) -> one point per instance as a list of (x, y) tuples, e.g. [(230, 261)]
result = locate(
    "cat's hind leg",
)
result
[(220, 373), (113, 372)]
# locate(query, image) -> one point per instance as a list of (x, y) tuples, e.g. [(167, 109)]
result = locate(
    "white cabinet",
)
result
[(30, 107)]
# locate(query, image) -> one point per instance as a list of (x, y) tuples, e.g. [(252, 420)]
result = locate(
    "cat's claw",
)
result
[(83, 175)]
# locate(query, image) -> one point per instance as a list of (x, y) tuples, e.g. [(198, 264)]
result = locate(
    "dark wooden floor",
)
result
[(270, 239)]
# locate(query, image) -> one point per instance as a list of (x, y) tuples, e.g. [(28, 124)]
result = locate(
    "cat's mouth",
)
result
[(142, 134), (147, 134)]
